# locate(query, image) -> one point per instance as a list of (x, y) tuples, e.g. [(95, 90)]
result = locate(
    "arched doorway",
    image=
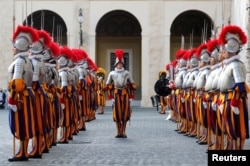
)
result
[(194, 25), (120, 29), (50, 22)]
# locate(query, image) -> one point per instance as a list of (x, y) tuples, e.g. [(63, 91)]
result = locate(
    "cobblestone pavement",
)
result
[(151, 141)]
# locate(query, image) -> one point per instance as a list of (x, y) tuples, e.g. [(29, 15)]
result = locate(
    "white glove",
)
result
[(13, 107), (62, 106), (80, 97), (221, 107), (214, 106), (182, 100), (113, 100), (194, 100), (204, 104), (235, 110)]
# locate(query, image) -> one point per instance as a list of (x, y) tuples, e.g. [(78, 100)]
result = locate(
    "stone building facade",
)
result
[(148, 30)]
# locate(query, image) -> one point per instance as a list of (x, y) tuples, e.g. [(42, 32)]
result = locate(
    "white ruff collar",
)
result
[(122, 69), (21, 54), (215, 66), (204, 67), (233, 58), (65, 68)]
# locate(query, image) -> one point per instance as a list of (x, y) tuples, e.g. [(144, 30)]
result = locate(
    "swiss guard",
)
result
[(21, 118), (121, 87), (232, 85)]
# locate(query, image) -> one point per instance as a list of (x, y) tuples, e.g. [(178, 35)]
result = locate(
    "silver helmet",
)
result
[(47, 55), (214, 54), (232, 45), (205, 56), (62, 61), (37, 47), (23, 37), (194, 61), (22, 43), (233, 37), (70, 63)]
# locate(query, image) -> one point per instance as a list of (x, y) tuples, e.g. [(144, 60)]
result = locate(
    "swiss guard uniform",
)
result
[(194, 70), (121, 87), (232, 85), (92, 88), (65, 95), (210, 94), (73, 76), (101, 89), (173, 96), (21, 117), (39, 142), (201, 113), (50, 86), (187, 93), (82, 67), (179, 79)]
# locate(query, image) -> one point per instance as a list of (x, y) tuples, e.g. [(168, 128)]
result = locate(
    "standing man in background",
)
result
[(100, 75)]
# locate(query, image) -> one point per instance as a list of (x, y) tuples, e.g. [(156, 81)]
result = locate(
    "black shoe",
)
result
[(62, 142), (82, 129), (181, 132), (100, 113), (46, 150), (18, 159), (124, 136), (54, 144), (118, 136), (192, 135), (202, 143), (70, 138), (36, 156)]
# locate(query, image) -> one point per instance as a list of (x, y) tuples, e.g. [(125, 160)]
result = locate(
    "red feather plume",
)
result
[(45, 36), (234, 30), (200, 48), (66, 52), (54, 48), (167, 66), (211, 45), (191, 53), (92, 64), (174, 62), (84, 54), (180, 53), (119, 54), (25, 29)]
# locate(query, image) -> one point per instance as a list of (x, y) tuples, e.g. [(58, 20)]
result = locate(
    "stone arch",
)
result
[(192, 24), (120, 29), (50, 22)]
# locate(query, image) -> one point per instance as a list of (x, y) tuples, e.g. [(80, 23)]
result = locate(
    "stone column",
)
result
[(247, 52)]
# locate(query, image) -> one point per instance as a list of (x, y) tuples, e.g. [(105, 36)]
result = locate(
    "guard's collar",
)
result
[(231, 59), (21, 54), (122, 69), (63, 69), (217, 65), (204, 67)]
